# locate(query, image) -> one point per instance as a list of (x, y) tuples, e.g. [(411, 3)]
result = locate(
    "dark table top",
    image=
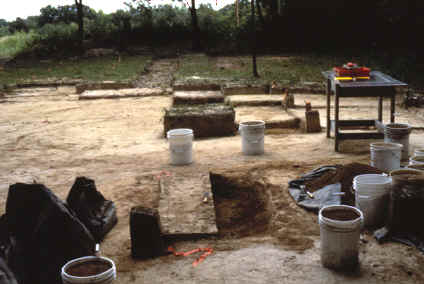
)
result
[(377, 79)]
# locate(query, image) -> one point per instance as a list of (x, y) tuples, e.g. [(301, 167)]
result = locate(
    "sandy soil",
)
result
[(51, 137)]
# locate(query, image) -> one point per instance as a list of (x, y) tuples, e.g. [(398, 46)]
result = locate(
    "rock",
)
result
[(49, 233), (93, 210), (146, 238)]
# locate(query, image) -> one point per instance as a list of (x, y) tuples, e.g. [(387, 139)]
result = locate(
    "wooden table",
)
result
[(380, 85)]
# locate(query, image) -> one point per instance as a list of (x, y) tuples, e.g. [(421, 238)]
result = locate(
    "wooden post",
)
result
[(312, 121)]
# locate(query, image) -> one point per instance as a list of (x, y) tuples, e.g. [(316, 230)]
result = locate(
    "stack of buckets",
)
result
[(398, 133), (417, 159), (388, 155)]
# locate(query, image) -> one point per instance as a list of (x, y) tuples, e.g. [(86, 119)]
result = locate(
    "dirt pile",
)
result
[(344, 175), (240, 194), (242, 205)]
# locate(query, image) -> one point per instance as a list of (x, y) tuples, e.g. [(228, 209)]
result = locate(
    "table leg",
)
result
[(392, 105), (328, 107), (336, 118), (380, 109)]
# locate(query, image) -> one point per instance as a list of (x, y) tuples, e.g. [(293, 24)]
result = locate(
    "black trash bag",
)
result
[(48, 233), (324, 196), (97, 213), (6, 276), (7, 242), (8, 249)]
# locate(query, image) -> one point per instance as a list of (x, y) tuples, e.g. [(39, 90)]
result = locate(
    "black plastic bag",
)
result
[(6, 276), (94, 211)]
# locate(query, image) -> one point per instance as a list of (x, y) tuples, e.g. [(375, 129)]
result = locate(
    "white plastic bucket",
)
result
[(416, 160), (385, 156), (416, 167), (253, 135), (372, 197), (180, 146), (398, 133), (102, 278), (419, 152), (339, 237)]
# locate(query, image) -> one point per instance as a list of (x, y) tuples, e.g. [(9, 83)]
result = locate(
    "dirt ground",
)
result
[(49, 136)]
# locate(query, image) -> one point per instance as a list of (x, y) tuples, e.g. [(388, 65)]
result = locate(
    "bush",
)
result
[(100, 29), (4, 31), (56, 38), (17, 43)]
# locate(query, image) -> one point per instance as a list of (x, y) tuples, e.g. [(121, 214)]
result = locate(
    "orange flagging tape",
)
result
[(207, 251), (163, 173)]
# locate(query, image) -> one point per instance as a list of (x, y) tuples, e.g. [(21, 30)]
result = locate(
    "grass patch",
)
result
[(292, 68), (14, 44), (90, 69)]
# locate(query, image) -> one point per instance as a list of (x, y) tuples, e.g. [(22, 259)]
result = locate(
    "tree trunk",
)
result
[(237, 12), (80, 14), (196, 30), (255, 69), (261, 16)]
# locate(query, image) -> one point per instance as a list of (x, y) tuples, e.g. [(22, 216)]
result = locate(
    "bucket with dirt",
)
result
[(253, 134), (398, 133), (181, 145), (386, 156), (340, 227), (89, 270), (407, 203), (372, 198)]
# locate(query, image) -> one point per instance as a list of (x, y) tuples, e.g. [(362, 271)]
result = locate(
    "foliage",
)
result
[(18, 25), (3, 23), (4, 31), (57, 38), (17, 43), (63, 14), (101, 29)]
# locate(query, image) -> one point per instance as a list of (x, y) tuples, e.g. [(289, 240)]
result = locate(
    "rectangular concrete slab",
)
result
[(182, 210)]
